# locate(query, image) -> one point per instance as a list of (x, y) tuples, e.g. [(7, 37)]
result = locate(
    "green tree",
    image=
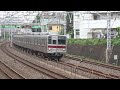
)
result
[(118, 30)]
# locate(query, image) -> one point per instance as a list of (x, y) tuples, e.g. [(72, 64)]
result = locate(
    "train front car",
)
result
[(56, 46)]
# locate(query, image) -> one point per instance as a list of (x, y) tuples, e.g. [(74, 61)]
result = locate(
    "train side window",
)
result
[(43, 41), (22, 39), (29, 40), (34, 41), (38, 41), (25, 40)]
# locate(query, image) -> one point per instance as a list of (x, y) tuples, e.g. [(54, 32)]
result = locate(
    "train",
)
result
[(52, 47)]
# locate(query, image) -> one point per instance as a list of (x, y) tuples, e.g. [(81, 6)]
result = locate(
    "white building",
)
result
[(86, 22)]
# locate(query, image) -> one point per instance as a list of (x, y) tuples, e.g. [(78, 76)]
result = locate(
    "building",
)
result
[(88, 22), (56, 26), (52, 22)]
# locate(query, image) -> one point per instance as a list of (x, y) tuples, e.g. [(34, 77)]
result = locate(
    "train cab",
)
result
[(57, 45)]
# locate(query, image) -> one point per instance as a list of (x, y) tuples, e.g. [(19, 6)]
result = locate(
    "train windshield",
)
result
[(62, 40), (53, 40)]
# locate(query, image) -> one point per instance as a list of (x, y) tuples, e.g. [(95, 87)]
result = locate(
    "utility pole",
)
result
[(42, 22), (65, 24), (4, 32), (108, 50), (4, 29), (11, 33)]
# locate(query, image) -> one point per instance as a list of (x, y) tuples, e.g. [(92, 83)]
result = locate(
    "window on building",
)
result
[(50, 27), (77, 33), (38, 29), (77, 29), (96, 17)]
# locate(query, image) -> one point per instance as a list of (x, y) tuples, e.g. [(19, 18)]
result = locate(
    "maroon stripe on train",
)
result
[(56, 46)]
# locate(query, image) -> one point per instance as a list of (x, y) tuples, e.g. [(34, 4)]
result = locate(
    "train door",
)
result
[(54, 41)]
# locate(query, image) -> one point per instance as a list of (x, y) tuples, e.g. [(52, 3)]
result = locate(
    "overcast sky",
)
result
[(21, 16)]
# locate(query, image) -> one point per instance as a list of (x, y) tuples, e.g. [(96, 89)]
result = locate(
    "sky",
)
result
[(21, 16), (25, 16)]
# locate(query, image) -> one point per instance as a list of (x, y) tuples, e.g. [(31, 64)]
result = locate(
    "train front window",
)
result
[(62, 40), (54, 41)]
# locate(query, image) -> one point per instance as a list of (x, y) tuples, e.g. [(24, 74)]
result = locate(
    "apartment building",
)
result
[(87, 23)]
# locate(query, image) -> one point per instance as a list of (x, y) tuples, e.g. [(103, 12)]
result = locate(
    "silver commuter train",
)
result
[(47, 46)]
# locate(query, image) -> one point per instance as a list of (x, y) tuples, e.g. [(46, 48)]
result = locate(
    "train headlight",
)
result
[(63, 49), (49, 49)]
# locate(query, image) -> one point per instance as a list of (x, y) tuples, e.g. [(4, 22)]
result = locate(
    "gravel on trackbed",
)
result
[(94, 67), (26, 71)]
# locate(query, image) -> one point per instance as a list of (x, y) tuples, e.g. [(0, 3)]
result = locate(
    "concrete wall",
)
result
[(97, 52)]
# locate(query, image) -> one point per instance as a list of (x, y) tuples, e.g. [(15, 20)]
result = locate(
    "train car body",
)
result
[(49, 46)]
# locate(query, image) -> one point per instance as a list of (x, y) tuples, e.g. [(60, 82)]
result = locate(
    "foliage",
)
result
[(115, 41), (118, 30)]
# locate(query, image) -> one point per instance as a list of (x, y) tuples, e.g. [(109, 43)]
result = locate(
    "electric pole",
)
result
[(65, 23), (108, 50)]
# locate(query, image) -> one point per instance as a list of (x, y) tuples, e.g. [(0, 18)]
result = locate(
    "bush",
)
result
[(87, 41), (115, 41)]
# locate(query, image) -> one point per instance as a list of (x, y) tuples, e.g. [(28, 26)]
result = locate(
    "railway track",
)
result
[(11, 74), (95, 72), (95, 63), (39, 68), (91, 71)]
